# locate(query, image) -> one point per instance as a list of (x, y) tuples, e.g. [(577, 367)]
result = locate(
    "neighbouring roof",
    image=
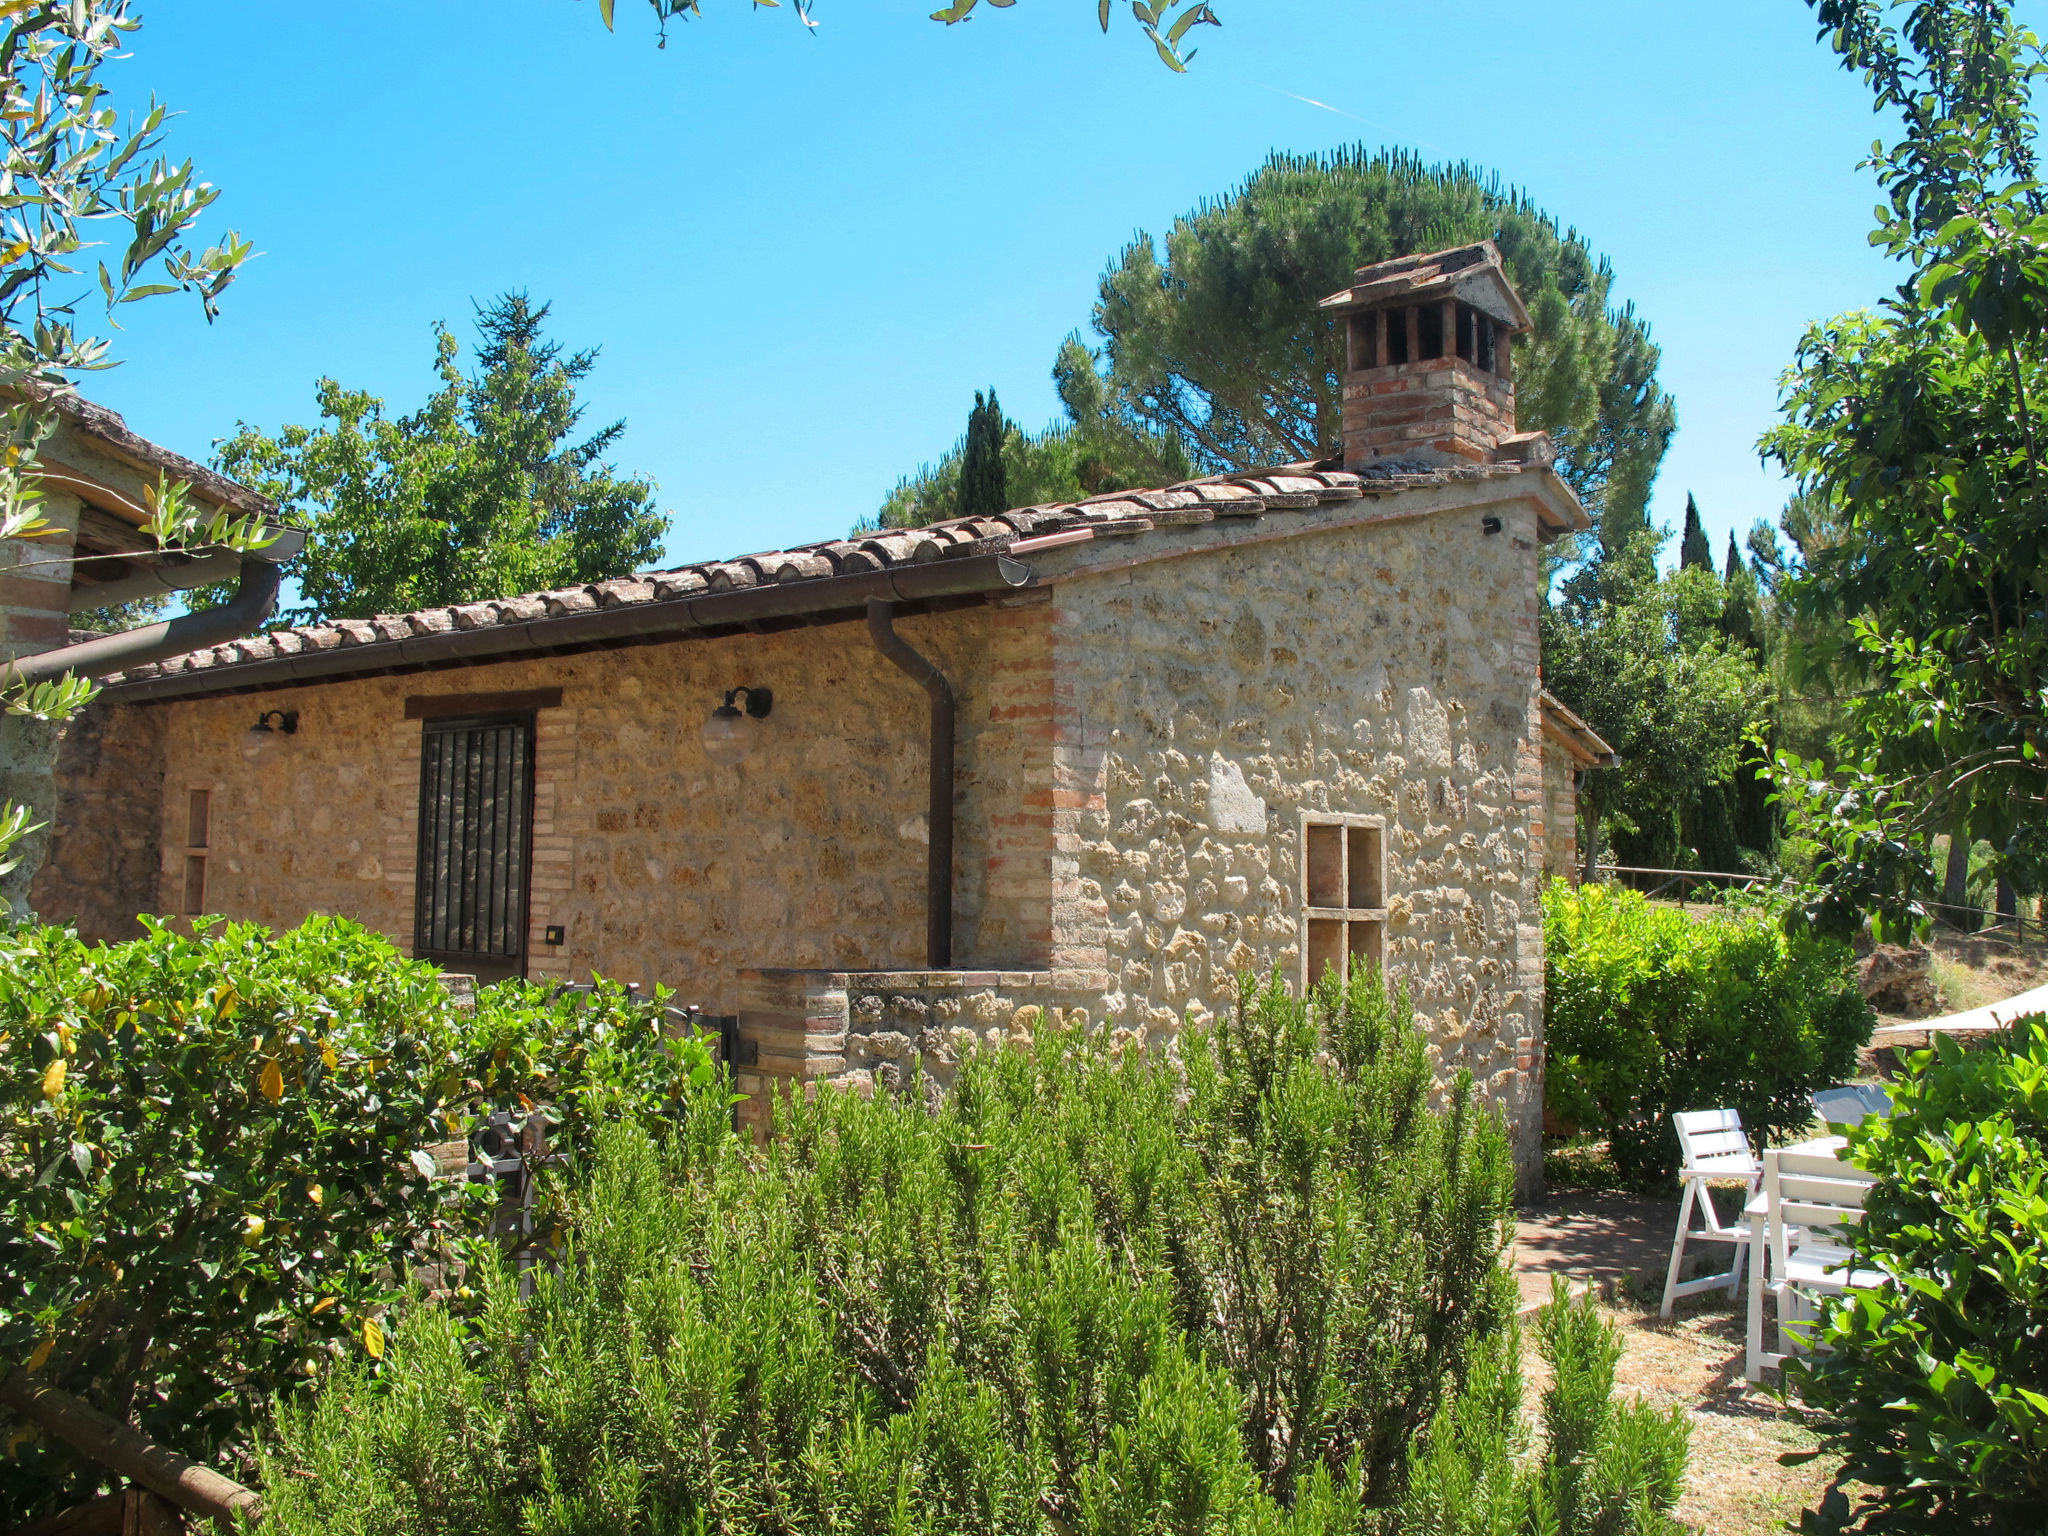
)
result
[(116, 438), (1579, 739), (951, 558)]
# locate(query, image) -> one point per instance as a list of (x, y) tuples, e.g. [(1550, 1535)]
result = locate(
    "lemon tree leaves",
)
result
[(217, 1154)]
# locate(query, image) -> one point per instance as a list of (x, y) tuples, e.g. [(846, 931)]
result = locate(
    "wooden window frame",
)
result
[(197, 863), (1353, 925)]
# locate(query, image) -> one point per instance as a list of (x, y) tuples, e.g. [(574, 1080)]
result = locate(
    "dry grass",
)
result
[(1970, 971)]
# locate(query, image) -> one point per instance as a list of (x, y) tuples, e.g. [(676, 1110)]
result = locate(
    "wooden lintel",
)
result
[(440, 706)]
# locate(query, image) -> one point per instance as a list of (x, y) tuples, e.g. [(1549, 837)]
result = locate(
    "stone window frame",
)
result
[(198, 842), (1347, 926)]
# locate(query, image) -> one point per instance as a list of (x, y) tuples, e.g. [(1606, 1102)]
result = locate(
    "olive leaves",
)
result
[(1166, 22)]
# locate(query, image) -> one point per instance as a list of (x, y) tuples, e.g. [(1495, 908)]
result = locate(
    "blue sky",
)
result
[(801, 254)]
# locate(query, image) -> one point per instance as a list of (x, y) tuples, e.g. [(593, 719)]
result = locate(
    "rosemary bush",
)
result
[(1098, 1290)]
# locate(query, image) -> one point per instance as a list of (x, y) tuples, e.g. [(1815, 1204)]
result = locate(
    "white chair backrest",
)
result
[(1815, 1190), (1711, 1141), (1852, 1104)]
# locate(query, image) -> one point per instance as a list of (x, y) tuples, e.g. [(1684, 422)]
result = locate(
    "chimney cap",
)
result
[(1472, 273)]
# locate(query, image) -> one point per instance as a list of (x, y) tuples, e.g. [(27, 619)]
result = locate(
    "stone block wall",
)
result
[(1386, 671), (884, 1030), (660, 866), (106, 846)]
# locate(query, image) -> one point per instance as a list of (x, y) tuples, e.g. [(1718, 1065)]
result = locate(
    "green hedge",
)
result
[(1098, 1291), (1649, 1011), (1938, 1384), (215, 1173)]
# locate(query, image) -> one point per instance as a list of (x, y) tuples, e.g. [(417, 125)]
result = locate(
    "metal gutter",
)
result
[(663, 619), (938, 879), (199, 568), (254, 600)]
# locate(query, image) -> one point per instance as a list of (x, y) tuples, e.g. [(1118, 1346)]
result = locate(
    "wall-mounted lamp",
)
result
[(261, 738), (726, 736), (1489, 525)]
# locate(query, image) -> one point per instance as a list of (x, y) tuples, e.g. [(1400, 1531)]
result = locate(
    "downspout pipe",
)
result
[(254, 601), (938, 898)]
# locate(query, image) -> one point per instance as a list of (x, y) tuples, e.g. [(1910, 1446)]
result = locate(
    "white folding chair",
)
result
[(1808, 1191), (1851, 1104), (1713, 1147)]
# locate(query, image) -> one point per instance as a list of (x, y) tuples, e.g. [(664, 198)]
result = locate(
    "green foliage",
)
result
[(1914, 436), (982, 491), (1060, 464), (1165, 22), (1694, 552), (1221, 348), (214, 1157), (1605, 1467), (479, 494), (1649, 1012), (78, 177), (1095, 1290), (1937, 1384), (1641, 656)]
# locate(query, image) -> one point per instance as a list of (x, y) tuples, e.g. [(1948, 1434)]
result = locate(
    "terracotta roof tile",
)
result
[(673, 584), (731, 576), (1109, 514)]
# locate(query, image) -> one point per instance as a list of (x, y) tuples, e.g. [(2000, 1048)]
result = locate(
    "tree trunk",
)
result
[(125, 1450), (2008, 903), (1956, 911)]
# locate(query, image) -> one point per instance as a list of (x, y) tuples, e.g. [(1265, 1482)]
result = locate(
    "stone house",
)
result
[(883, 797)]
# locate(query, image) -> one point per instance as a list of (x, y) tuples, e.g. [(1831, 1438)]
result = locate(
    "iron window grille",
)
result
[(475, 850)]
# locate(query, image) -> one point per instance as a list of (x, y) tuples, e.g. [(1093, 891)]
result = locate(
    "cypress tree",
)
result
[(1694, 553), (1734, 561), (983, 492)]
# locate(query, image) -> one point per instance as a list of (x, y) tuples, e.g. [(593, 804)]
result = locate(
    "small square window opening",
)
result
[(1343, 895)]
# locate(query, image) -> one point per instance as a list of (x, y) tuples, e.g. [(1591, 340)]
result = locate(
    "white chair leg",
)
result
[(1678, 1247), (1755, 1372)]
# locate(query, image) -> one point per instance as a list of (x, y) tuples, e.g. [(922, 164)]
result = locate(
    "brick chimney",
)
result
[(1429, 368)]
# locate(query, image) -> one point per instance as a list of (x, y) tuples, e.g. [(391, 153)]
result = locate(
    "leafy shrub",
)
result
[(1096, 1291), (214, 1158), (1650, 1011), (1938, 1383), (1606, 1467)]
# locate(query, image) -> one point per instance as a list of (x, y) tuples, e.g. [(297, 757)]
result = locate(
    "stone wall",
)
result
[(884, 1031), (1208, 703), (107, 845), (661, 866)]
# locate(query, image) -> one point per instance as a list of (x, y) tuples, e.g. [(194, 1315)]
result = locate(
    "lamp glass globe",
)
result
[(726, 737), (258, 743)]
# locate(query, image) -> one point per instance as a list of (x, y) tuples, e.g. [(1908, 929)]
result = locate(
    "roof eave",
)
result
[(665, 619)]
